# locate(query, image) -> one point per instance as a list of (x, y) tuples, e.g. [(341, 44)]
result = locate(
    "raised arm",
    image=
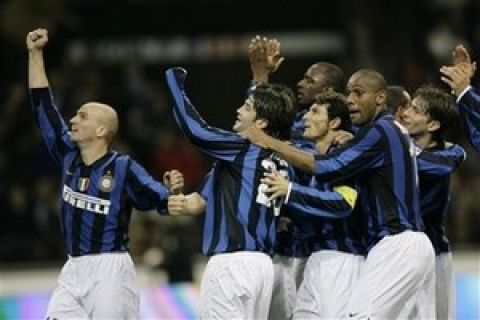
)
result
[(36, 41), (458, 77), (52, 126), (216, 142)]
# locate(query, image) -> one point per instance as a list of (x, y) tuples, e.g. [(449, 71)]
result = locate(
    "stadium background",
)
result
[(117, 52)]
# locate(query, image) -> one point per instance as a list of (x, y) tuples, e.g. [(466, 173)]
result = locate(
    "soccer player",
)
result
[(400, 258), (240, 224), (427, 119), (292, 247), (458, 77), (100, 187), (322, 214)]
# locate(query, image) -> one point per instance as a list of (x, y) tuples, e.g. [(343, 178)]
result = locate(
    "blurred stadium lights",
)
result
[(201, 48)]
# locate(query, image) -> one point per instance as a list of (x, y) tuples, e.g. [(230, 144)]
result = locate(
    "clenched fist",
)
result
[(173, 180), (37, 39)]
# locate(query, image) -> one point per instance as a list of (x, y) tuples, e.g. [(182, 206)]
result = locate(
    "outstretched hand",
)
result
[(460, 55), (265, 59), (458, 75), (36, 39)]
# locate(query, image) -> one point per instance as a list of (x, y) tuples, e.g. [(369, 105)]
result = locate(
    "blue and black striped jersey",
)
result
[(435, 166), (298, 125), (320, 218), (238, 216), (382, 159), (96, 199), (469, 108)]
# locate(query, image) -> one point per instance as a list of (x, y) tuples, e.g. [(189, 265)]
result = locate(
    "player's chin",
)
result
[(306, 134), (356, 118)]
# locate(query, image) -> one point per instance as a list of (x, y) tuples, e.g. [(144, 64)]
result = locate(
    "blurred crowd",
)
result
[(409, 55)]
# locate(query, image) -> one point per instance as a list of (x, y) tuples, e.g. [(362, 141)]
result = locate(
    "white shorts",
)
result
[(327, 287), (444, 286), (100, 286), (288, 275), (444, 292), (236, 285), (397, 269)]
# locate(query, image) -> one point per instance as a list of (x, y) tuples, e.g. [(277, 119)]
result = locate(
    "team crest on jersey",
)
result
[(83, 184), (106, 182)]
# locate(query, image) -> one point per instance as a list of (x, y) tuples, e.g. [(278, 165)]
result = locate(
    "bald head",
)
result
[(369, 78), (106, 116)]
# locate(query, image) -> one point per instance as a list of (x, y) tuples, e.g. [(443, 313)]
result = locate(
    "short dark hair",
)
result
[(396, 98), (440, 106), (333, 75), (337, 107), (275, 103), (374, 79)]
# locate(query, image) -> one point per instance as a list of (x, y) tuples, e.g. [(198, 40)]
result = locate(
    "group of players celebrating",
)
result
[(320, 205)]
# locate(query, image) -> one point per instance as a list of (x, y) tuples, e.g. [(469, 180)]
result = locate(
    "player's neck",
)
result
[(425, 141), (323, 144), (92, 152)]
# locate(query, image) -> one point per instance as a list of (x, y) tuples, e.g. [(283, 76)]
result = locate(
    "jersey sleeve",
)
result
[(441, 162), (52, 126), (337, 202), (363, 152), (469, 108), (218, 143), (144, 192)]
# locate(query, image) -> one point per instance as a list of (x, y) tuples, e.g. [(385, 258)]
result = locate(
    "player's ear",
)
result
[(335, 123), (433, 125), (102, 131), (261, 123), (381, 98)]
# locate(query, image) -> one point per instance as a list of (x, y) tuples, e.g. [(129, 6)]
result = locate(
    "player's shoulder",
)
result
[(121, 158)]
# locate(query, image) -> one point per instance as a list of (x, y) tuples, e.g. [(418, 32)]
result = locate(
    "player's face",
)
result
[(313, 83), (316, 122), (246, 116), (84, 124), (415, 118), (363, 99)]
